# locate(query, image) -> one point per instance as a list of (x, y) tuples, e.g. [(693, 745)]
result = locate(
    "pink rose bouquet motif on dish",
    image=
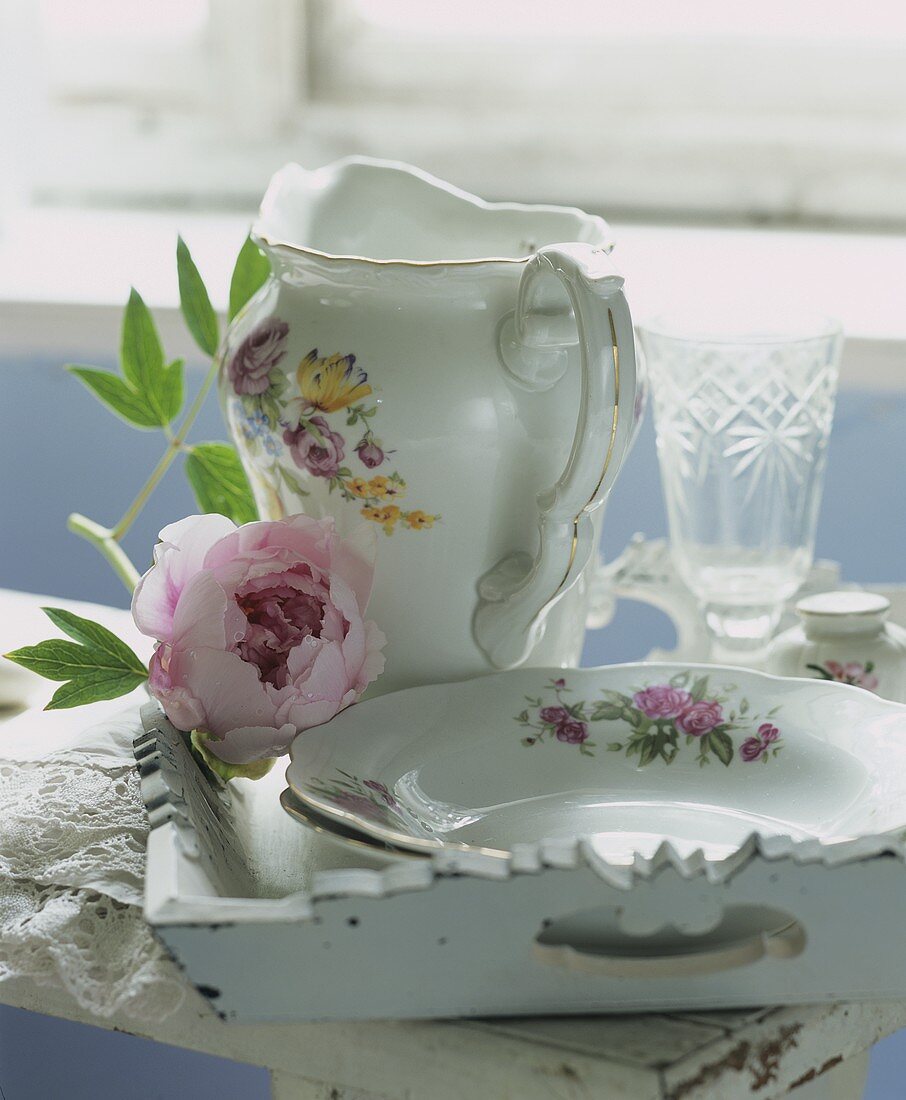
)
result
[(561, 721), (365, 797), (260, 629), (850, 672), (660, 720), (762, 745)]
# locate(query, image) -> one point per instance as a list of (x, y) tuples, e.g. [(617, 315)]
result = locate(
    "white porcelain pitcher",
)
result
[(432, 364)]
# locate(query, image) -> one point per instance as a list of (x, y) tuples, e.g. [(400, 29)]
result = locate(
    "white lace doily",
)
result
[(72, 857)]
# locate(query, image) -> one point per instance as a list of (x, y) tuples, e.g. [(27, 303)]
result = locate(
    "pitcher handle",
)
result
[(517, 594)]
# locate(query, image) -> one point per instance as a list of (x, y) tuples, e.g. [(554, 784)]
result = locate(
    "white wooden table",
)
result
[(813, 1052), (818, 1053)]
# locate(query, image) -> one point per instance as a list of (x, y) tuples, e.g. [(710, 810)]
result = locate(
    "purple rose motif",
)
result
[(381, 790), (321, 457), (257, 355), (369, 452), (662, 701), (359, 804), (752, 749), (700, 718), (553, 716), (559, 684), (573, 732), (768, 732)]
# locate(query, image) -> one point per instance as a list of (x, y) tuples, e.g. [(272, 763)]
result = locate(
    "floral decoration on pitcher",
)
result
[(326, 386), (850, 672), (663, 719)]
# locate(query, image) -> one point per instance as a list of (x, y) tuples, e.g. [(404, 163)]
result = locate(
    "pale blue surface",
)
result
[(60, 451)]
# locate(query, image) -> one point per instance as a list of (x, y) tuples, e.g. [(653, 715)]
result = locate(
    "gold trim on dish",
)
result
[(417, 844)]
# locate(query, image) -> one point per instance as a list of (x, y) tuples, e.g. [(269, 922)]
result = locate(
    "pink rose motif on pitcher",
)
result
[(260, 629), (257, 355), (320, 454)]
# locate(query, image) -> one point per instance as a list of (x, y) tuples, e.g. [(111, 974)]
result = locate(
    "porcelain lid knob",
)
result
[(835, 613)]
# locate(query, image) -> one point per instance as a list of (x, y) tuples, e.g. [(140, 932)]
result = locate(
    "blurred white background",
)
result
[(787, 111)]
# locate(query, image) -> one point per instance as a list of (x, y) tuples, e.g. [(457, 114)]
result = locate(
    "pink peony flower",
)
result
[(662, 701), (752, 749), (553, 715), (768, 732), (572, 732), (320, 456), (260, 629), (700, 718)]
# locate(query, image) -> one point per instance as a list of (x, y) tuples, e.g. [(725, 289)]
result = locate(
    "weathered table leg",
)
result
[(844, 1082)]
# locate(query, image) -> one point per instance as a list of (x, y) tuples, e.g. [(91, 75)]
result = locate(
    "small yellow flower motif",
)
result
[(359, 487), (331, 383), (419, 520), (387, 516), (379, 486), (395, 489)]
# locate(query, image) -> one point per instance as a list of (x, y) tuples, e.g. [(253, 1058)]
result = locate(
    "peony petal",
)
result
[(205, 617), (373, 665), (242, 746), (305, 715), (180, 705), (178, 558), (353, 560), (228, 689)]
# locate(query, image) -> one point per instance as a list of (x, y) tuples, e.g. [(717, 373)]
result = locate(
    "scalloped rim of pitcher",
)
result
[(261, 237)]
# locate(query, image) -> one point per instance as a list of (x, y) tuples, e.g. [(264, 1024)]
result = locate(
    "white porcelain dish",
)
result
[(628, 755)]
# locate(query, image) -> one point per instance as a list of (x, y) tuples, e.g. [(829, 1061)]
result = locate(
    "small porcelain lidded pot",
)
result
[(844, 637)]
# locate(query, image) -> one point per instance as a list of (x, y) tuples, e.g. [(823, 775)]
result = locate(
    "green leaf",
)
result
[(171, 389), (606, 712), (649, 751), (194, 302), (95, 637), (94, 688), (97, 665), (219, 482), (615, 746), (118, 395), (141, 354), (249, 275), (699, 688), (722, 746)]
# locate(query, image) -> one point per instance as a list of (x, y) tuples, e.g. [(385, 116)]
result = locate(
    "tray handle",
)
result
[(782, 943)]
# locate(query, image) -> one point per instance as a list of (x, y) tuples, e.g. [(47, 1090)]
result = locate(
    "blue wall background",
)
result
[(60, 451)]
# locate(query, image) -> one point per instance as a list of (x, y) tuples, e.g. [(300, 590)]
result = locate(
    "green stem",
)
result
[(103, 540), (106, 540), (174, 447)]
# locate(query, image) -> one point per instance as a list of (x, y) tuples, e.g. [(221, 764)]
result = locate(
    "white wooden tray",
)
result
[(271, 924)]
